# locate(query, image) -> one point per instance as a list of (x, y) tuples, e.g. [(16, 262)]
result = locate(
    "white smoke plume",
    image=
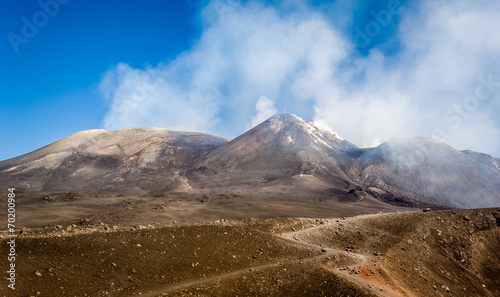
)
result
[(264, 109), (441, 82)]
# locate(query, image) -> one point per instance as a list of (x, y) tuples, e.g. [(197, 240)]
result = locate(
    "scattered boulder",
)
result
[(48, 199), (446, 289)]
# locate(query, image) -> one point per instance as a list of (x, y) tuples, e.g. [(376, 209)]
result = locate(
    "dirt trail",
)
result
[(344, 271), (293, 237), (197, 282)]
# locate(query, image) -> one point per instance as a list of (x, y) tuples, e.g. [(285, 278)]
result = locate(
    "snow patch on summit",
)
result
[(322, 127), (314, 132)]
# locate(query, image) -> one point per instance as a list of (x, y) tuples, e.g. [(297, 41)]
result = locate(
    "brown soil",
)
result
[(437, 253), (42, 209)]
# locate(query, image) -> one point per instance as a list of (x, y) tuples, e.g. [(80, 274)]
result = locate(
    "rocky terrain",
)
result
[(43, 209), (437, 253), (282, 156), (286, 209)]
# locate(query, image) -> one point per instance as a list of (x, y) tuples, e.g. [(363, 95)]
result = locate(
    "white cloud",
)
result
[(445, 47), (245, 50), (264, 110), (297, 56)]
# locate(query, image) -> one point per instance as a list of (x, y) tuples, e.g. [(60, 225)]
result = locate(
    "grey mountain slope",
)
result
[(484, 159), (428, 172), (139, 159), (281, 155), (282, 147)]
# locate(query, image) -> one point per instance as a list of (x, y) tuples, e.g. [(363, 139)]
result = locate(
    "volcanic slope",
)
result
[(284, 155), (134, 160), (426, 172), (437, 253), (283, 149)]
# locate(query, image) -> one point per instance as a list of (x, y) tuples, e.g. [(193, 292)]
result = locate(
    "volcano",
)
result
[(284, 154)]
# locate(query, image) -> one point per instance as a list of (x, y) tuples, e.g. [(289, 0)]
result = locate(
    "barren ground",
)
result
[(438, 253)]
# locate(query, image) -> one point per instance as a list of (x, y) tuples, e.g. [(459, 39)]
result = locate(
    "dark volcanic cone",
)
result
[(283, 155), (280, 148)]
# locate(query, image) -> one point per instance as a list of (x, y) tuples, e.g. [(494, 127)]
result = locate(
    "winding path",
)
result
[(293, 237)]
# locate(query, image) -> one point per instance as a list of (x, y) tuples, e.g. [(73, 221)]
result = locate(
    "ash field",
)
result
[(285, 209)]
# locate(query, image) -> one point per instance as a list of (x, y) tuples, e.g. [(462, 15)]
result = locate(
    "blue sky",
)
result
[(49, 86), (222, 66)]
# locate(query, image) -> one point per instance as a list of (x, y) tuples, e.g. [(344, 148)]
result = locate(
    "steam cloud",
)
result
[(440, 83), (265, 109)]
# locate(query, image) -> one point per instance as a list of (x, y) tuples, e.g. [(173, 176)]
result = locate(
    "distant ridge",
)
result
[(284, 154)]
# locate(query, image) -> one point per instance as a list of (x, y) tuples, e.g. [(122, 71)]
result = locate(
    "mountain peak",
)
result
[(92, 131), (280, 120), (314, 127), (285, 117), (282, 153)]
